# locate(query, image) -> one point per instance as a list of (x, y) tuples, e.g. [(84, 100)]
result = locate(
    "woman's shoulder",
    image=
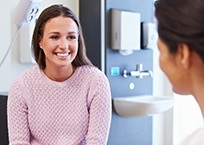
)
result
[(31, 71), (91, 70), (29, 74), (196, 138), (91, 73), (23, 80)]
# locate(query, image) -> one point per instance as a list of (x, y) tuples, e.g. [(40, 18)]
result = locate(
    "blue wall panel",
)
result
[(124, 131), (135, 130)]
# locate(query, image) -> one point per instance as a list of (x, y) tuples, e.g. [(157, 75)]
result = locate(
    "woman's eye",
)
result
[(72, 37), (54, 37)]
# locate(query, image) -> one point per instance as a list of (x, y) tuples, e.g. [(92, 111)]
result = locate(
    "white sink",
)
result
[(143, 105)]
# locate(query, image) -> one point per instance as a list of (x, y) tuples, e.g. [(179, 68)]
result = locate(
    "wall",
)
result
[(5, 30), (133, 130), (161, 135), (162, 123), (11, 68)]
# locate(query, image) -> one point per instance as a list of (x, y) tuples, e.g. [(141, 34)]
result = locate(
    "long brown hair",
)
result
[(47, 14)]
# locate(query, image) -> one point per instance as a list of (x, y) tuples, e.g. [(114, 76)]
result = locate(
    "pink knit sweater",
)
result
[(74, 112)]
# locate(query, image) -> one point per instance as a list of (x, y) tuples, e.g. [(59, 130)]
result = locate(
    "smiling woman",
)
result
[(60, 45), (65, 99)]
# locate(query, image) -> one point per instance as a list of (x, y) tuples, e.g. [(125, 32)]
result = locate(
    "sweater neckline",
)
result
[(69, 80)]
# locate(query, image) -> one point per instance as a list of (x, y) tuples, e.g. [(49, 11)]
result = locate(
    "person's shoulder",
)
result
[(98, 75), (91, 69), (31, 71), (196, 138), (23, 79), (92, 72), (28, 73)]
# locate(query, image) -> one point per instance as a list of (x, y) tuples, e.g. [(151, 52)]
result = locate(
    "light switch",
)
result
[(115, 71)]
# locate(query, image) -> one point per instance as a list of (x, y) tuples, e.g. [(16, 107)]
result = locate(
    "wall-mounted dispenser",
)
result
[(125, 31), (149, 35)]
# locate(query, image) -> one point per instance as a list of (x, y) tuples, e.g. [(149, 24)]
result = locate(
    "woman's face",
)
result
[(59, 42), (171, 66)]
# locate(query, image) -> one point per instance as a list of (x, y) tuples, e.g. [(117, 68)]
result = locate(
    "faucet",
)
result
[(138, 73)]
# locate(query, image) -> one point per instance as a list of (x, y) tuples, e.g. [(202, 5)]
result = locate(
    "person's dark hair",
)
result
[(181, 21), (47, 14)]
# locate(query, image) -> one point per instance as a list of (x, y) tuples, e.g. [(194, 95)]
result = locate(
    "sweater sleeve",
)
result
[(17, 115), (100, 111)]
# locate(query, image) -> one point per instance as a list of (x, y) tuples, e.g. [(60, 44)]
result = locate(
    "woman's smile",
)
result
[(60, 41), (62, 54)]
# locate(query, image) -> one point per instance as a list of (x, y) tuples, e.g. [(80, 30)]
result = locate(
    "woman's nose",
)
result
[(63, 43)]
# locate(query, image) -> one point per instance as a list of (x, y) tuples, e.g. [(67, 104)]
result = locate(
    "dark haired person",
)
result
[(181, 46), (64, 100)]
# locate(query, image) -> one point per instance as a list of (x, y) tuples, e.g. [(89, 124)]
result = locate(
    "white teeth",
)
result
[(62, 54)]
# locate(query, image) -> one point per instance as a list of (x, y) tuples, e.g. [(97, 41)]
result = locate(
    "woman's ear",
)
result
[(39, 42), (40, 45), (184, 55)]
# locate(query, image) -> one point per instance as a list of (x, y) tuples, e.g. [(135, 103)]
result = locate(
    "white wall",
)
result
[(11, 68), (5, 70), (162, 123)]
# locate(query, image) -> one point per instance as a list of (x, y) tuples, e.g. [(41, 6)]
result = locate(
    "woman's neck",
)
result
[(197, 80), (59, 74), (199, 96), (198, 92)]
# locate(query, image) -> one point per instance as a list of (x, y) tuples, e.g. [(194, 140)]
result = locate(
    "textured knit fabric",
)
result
[(197, 138), (74, 112)]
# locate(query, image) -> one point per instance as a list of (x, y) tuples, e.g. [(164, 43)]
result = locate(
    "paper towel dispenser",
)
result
[(126, 30)]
